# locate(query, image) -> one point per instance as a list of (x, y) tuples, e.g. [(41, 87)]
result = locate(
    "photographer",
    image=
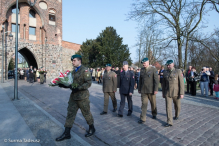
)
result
[(204, 81), (193, 81)]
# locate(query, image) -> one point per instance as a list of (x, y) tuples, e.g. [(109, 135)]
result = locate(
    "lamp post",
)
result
[(45, 50), (16, 49)]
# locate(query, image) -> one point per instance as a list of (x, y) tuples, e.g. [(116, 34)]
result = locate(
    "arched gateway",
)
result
[(39, 34)]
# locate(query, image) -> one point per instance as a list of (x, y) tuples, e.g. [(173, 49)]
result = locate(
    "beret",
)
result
[(169, 62), (108, 65), (144, 60), (125, 63), (75, 56)]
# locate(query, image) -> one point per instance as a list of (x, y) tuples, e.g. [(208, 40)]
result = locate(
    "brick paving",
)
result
[(198, 123)]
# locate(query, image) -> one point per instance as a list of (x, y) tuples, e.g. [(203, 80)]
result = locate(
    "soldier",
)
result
[(148, 88), (126, 89), (109, 88), (79, 98), (173, 90)]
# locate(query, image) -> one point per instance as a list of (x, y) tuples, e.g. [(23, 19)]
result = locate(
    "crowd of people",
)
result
[(208, 81), (31, 74)]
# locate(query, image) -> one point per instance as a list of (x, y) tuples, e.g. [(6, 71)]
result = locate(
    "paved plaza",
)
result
[(198, 123)]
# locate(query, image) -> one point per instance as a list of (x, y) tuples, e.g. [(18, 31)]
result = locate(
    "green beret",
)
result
[(144, 60), (108, 65), (75, 56), (169, 62)]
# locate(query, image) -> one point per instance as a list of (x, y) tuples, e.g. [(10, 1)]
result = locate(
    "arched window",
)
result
[(32, 14), (13, 9)]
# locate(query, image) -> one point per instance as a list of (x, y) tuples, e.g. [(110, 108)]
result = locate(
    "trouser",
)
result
[(144, 100), (188, 86), (27, 77), (217, 94), (177, 107), (106, 100), (204, 85), (137, 81), (122, 103), (211, 88), (73, 106), (193, 88)]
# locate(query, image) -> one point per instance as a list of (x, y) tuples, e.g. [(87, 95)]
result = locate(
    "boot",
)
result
[(90, 131), (65, 135)]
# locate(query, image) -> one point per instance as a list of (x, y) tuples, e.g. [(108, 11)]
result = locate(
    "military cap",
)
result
[(75, 56), (144, 60), (169, 62), (125, 63), (108, 65)]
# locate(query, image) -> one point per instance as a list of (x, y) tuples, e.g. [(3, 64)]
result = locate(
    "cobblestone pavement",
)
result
[(198, 123)]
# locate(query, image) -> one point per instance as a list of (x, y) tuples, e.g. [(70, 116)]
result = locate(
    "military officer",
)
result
[(79, 98), (109, 88), (126, 89), (148, 88), (172, 90)]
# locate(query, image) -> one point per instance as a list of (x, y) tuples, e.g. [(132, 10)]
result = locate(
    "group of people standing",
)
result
[(208, 81), (31, 75)]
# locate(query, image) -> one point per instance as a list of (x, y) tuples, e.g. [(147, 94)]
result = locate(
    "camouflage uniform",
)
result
[(80, 99)]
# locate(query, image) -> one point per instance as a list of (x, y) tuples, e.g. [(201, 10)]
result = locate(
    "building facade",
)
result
[(39, 35)]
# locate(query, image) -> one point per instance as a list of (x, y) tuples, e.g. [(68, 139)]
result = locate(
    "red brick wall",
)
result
[(53, 33), (70, 45)]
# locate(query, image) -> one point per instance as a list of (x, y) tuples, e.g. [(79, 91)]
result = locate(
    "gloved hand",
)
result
[(74, 89), (63, 86)]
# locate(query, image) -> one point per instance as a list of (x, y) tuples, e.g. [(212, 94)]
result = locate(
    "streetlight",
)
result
[(16, 49), (45, 50)]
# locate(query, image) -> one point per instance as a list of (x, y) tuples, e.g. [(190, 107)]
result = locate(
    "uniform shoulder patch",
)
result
[(115, 76), (133, 77), (86, 70)]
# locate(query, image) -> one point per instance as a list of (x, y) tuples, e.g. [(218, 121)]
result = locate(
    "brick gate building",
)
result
[(40, 35)]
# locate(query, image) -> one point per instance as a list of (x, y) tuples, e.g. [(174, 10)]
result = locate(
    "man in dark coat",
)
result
[(187, 79), (31, 75), (127, 81)]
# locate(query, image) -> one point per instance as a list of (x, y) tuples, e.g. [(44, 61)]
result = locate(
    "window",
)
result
[(32, 14), (13, 28), (32, 30), (13, 9), (52, 17)]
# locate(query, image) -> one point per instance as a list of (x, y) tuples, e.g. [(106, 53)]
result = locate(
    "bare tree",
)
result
[(178, 18)]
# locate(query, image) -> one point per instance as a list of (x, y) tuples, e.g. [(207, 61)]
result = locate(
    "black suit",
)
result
[(127, 82), (118, 78)]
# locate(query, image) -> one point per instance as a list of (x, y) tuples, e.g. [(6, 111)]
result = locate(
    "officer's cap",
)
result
[(125, 63), (108, 65), (144, 60), (75, 56), (169, 62)]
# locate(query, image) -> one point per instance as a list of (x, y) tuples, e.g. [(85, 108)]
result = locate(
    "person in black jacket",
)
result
[(211, 77), (187, 79), (127, 82), (193, 81)]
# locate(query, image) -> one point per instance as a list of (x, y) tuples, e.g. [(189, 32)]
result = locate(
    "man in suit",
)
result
[(127, 81), (148, 88), (109, 88), (173, 91)]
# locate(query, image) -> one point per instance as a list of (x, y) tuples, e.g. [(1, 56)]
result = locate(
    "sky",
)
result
[(85, 19)]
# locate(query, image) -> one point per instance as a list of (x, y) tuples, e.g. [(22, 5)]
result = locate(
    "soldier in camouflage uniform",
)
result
[(79, 98)]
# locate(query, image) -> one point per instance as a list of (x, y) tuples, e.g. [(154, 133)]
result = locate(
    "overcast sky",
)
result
[(85, 19)]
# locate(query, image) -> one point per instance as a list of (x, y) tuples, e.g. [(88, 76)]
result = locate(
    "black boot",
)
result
[(90, 131), (65, 135)]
